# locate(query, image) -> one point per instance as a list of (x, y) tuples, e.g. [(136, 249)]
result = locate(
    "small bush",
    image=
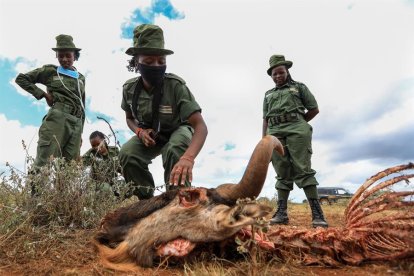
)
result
[(60, 194)]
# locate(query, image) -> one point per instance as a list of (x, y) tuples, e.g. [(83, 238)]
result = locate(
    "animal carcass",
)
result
[(174, 222)]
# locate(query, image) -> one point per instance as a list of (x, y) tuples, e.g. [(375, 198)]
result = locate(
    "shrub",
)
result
[(63, 195)]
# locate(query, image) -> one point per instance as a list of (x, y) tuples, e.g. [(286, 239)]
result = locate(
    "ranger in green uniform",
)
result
[(103, 160), (163, 114), (287, 109), (61, 129)]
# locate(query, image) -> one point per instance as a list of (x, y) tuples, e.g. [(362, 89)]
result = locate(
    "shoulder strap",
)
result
[(156, 100), (138, 87)]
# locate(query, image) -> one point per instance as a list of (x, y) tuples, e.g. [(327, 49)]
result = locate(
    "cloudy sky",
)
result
[(357, 58)]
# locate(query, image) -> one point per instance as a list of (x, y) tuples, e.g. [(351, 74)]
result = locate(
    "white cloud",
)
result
[(347, 54), (11, 143), (396, 119)]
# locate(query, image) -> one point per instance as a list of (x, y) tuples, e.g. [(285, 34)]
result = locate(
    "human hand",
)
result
[(182, 170), (146, 136), (49, 98), (102, 149)]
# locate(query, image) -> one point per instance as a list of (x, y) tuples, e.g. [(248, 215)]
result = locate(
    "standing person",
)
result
[(287, 109), (61, 129), (103, 160), (162, 113)]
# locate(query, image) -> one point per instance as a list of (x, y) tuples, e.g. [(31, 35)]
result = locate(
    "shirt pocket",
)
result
[(144, 112), (296, 96), (273, 102), (166, 113), (62, 85)]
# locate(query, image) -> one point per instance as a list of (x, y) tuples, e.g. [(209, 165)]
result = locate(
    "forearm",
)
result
[(132, 124), (24, 82), (197, 142), (199, 137), (264, 128), (311, 114)]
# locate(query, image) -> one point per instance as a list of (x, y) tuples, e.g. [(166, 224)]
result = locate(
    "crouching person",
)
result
[(103, 160), (162, 113)]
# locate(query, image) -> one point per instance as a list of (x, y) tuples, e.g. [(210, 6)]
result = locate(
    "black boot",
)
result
[(281, 216), (318, 219)]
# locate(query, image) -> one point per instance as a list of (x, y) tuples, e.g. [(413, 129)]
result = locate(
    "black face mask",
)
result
[(152, 74)]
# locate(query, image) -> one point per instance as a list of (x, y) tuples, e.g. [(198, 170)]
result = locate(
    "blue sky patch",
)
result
[(229, 146), (148, 14), (14, 105), (410, 2)]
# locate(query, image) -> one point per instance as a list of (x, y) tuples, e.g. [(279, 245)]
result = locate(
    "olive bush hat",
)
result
[(277, 60), (148, 40), (65, 42)]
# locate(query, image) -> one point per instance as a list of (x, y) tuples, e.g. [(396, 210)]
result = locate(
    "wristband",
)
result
[(188, 158), (138, 132)]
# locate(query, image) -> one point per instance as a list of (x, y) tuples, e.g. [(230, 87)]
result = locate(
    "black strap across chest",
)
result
[(156, 100)]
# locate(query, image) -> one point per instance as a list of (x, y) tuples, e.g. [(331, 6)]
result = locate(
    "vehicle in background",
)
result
[(329, 195)]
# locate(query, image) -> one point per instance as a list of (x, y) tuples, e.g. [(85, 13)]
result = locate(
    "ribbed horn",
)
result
[(254, 177)]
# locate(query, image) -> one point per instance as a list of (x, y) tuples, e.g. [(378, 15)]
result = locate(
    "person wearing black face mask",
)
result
[(163, 114)]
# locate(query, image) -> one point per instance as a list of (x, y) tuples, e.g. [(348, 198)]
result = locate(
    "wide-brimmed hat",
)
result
[(148, 40), (277, 60), (65, 42)]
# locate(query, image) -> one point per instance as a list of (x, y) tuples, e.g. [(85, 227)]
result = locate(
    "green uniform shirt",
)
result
[(67, 93), (103, 167), (290, 97), (177, 103)]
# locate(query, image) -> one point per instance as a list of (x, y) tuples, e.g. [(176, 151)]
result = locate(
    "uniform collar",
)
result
[(99, 155), (287, 84)]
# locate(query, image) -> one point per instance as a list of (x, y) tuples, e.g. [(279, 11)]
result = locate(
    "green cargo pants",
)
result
[(295, 165), (135, 158), (59, 136)]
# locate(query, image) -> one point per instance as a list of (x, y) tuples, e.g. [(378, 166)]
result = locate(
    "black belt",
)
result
[(67, 108), (284, 118)]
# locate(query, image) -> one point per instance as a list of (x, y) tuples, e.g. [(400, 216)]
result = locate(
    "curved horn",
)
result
[(254, 177)]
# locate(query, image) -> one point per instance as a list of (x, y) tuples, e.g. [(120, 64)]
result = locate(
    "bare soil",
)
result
[(71, 253)]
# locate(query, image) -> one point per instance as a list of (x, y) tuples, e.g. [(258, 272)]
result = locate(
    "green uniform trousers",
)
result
[(135, 158), (59, 136), (295, 165)]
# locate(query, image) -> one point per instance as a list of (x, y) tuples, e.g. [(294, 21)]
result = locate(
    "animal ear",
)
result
[(189, 198)]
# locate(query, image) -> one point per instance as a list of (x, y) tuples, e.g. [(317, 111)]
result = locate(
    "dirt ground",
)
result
[(73, 254)]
